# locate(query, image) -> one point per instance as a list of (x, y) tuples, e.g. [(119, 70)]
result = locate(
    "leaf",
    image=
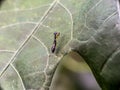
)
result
[(91, 27), (26, 37), (97, 38)]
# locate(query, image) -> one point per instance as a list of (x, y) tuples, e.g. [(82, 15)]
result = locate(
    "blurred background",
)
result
[(73, 74)]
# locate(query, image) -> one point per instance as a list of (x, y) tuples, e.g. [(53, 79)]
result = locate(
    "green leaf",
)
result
[(26, 38), (90, 27), (97, 36)]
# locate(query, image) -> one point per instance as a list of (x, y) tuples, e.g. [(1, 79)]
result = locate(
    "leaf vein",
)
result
[(18, 76), (29, 36), (71, 17), (108, 59)]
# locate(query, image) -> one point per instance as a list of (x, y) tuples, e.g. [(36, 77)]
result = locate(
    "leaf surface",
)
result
[(91, 27)]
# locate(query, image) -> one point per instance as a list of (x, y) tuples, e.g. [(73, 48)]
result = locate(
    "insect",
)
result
[(56, 35)]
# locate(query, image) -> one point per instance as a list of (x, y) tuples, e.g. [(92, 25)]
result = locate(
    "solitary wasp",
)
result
[(56, 35)]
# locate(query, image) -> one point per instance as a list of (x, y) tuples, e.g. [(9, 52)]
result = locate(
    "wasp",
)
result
[(56, 35)]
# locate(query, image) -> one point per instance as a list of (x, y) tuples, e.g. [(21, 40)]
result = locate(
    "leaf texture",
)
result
[(97, 35), (91, 27), (26, 37)]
